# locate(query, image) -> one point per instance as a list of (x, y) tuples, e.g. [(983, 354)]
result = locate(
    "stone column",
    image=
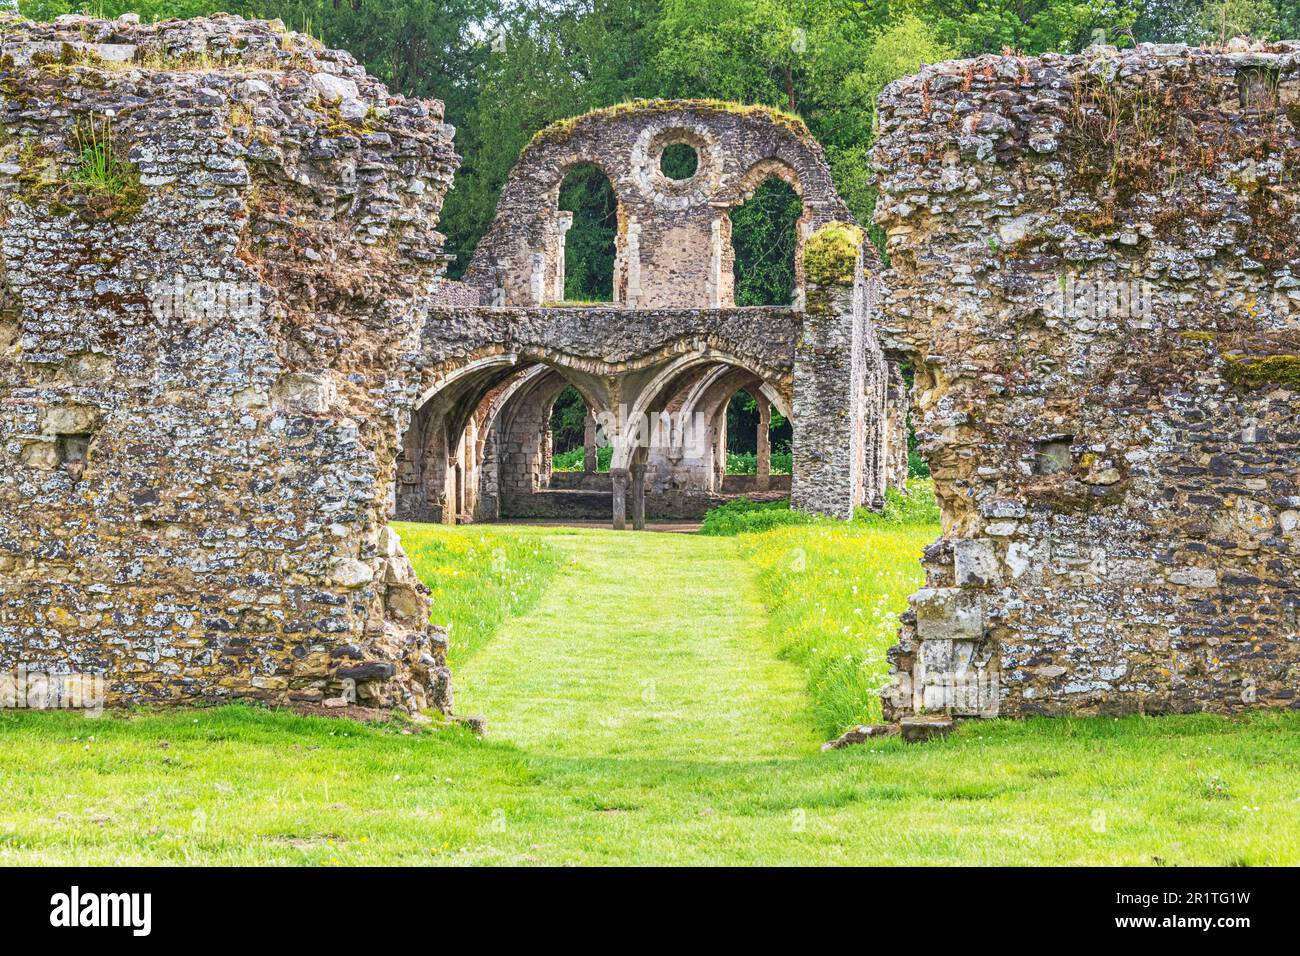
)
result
[(618, 478), (449, 493), (763, 471), (720, 452), (638, 496), (829, 377), (563, 223), (589, 457)]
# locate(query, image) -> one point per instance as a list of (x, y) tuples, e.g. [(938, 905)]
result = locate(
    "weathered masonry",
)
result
[(1096, 272), (206, 363), (657, 366)]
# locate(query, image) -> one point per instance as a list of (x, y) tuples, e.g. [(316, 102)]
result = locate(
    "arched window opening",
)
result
[(589, 244), (749, 421), (573, 432), (764, 237)]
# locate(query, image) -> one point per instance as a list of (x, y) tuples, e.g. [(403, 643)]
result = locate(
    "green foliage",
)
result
[(149, 10), (746, 463), (568, 421), (831, 254), (589, 243), (917, 508), (679, 161), (478, 579), (1221, 20), (100, 185), (834, 592), (763, 236), (742, 515), (917, 467), (574, 459)]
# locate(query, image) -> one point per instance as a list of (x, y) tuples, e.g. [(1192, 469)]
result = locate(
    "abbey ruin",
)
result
[(223, 378)]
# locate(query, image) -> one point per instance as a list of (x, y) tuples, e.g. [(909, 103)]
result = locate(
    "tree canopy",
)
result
[(506, 68)]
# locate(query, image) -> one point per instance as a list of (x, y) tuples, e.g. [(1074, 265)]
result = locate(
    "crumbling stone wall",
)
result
[(207, 362), (1097, 278)]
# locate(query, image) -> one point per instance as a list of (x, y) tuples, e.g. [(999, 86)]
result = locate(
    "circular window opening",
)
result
[(679, 161)]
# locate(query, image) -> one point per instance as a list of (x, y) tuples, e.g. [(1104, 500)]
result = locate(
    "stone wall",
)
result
[(207, 363), (673, 242), (1097, 277)]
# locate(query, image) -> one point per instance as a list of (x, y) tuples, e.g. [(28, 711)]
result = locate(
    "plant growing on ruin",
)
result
[(831, 255), (99, 185)]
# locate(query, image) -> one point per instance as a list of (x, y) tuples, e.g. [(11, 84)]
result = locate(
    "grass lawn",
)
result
[(649, 705)]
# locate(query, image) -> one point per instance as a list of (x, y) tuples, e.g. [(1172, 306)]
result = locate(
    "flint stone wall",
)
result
[(205, 375), (1096, 274)]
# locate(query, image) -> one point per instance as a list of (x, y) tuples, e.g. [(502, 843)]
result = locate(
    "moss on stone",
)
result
[(563, 128), (1252, 373), (830, 256)]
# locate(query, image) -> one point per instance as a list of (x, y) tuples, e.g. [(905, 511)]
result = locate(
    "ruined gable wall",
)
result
[(673, 245), (206, 372), (1096, 272)]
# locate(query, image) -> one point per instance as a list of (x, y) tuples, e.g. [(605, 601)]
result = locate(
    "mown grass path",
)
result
[(647, 646)]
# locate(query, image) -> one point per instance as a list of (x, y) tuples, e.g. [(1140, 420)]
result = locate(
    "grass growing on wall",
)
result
[(478, 578)]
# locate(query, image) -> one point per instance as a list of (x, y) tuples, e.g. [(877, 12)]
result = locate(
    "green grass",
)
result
[(834, 593), (574, 459), (746, 463), (478, 578), (742, 516), (638, 715)]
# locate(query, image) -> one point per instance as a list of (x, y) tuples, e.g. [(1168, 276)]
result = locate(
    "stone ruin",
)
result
[(1095, 273), (216, 338), (658, 365), (231, 353), (208, 362)]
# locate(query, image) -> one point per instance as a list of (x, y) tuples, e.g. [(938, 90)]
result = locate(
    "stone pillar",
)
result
[(589, 456), (618, 478), (632, 299), (829, 377), (763, 471), (562, 225), (450, 498), (638, 496), (720, 452)]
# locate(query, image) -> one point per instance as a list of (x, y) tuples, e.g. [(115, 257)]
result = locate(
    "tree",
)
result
[(1221, 20)]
